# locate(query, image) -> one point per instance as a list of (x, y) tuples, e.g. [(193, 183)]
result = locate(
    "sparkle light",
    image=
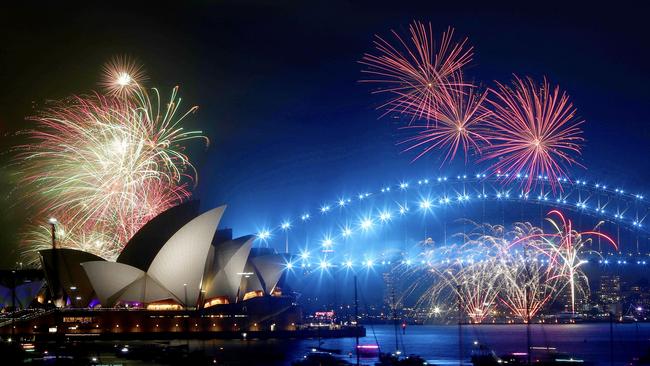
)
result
[(264, 234), (384, 216), (366, 224)]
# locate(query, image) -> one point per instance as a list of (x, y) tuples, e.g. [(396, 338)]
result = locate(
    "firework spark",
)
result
[(104, 166), (459, 123), (534, 132), (414, 73), (122, 76)]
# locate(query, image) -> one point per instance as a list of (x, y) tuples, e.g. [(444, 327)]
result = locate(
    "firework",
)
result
[(529, 281), (459, 122), (534, 132), (104, 166), (520, 271), (566, 248), (122, 76), (474, 280), (413, 74)]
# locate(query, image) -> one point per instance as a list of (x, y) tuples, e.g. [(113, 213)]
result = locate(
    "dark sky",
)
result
[(277, 86)]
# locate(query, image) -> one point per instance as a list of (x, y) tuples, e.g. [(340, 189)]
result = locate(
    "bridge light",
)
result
[(286, 225), (403, 185), (384, 216), (289, 265), (346, 232), (403, 209), (348, 264), (324, 264), (341, 202), (327, 243), (366, 224), (304, 217), (368, 263), (324, 209), (264, 234), (304, 255), (425, 204)]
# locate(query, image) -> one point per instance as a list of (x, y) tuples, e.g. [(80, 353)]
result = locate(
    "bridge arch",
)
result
[(353, 219)]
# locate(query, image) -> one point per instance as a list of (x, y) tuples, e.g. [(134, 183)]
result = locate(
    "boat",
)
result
[(392, 359), (320, 358), (540, 356), (368, 350), (484, 356)]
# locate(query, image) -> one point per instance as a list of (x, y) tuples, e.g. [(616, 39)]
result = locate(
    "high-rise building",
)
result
[(609, 294)]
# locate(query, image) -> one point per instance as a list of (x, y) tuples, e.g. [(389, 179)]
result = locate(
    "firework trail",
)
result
[(474, 279), (104, 166), (566, 248), (459, 125), (414, 72), (534, 132), (529, 281)]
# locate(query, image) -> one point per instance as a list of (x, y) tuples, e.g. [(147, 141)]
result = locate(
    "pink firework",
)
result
[(104, 166), (414, 73), (459, 118), (534, 132)]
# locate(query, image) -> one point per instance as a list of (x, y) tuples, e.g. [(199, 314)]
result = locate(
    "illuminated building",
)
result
[(609, 294)]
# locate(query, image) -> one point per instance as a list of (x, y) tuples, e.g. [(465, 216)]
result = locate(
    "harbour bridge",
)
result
[(368, 228)]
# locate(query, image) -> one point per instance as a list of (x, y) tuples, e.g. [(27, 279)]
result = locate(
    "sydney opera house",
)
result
[(179, 273)]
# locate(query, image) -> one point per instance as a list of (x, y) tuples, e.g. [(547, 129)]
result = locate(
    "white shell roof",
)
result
[(176, 271)]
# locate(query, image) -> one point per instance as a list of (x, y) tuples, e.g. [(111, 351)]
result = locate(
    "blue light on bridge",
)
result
[(264, 234), (384, 216), (366, 224)]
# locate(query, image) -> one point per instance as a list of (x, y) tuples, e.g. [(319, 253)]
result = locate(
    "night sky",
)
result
[(277, 85)]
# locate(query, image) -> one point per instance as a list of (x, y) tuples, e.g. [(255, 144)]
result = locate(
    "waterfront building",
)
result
[(609, 294)]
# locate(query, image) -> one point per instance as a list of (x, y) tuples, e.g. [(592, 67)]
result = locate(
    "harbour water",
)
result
[(439, 343)]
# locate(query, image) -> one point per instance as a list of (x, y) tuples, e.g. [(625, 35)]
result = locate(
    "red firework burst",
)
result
[(533, 133), (459, 118), (414, 73)]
